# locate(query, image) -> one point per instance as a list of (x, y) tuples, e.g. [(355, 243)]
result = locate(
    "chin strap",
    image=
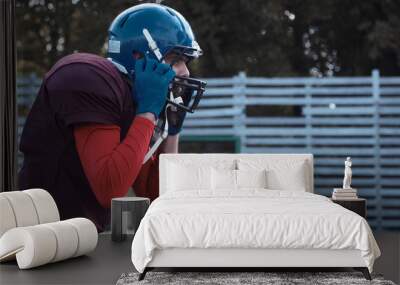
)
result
[(164, 132)]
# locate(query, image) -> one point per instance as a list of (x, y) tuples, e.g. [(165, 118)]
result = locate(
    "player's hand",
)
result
[(152, 80)]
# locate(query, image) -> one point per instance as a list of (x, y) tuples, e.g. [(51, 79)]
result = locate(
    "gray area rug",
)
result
[(230, 278)]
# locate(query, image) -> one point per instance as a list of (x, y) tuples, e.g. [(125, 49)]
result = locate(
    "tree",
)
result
[(48, 30), (263, 38)]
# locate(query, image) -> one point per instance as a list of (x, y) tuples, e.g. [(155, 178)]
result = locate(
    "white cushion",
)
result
[(231, 180), (87, 234), (7, 218), (180, 172), (229, 161), (32, 246), (40, 244), (284, 174), (67, 240), (45, 205), (223, 179), (251, 178), (26, 208), (183, 177), (292, 181), (23, 208)]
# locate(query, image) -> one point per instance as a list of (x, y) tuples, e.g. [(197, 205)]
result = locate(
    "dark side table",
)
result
[(358, 205), (135, 206)]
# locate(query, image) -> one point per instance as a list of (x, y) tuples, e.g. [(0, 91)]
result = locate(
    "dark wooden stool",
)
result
[(136, 206)]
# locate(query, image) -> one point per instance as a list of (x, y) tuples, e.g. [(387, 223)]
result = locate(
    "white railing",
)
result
[(333, 118)]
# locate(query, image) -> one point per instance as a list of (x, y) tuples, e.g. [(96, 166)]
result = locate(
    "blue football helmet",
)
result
[(171, 33)]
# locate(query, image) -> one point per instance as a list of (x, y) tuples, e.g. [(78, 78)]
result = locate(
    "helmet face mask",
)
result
[(189, 89)]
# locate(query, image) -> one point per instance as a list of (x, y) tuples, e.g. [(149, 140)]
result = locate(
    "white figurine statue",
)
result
[(347, 173)]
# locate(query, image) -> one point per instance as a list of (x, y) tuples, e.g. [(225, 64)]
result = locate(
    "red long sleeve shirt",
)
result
[(112, 166)]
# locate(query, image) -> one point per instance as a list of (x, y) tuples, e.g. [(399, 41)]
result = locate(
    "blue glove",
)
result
[(152, 79), (175, 121), (176, 118)]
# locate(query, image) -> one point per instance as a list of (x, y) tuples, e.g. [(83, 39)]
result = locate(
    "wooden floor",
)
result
[(106, 264)]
